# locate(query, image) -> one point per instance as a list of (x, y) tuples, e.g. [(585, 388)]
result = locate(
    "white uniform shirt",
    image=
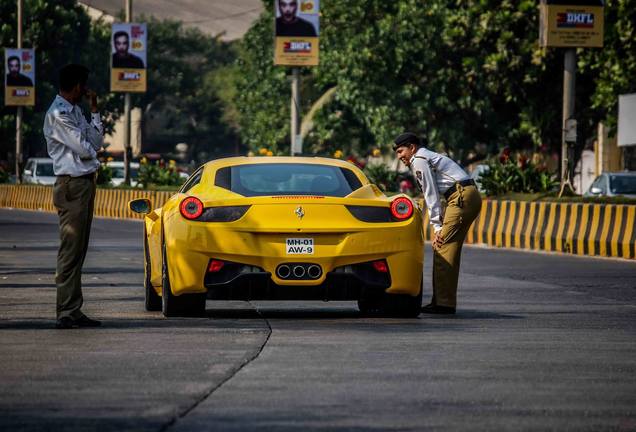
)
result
[(71, 141), (435, 174)]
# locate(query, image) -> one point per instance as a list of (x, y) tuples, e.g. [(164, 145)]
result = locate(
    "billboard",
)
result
[(19, 77), (571, 24), (128, 57), (297, 29)]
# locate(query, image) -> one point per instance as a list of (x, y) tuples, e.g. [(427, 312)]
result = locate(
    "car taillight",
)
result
[(402, 208), (381, 266), (191, 208), (215, 266), (223, 214)]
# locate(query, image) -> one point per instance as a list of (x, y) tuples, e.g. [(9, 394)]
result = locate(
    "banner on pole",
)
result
[(572, 24), (19, 77), (128, 61), (297, 31)]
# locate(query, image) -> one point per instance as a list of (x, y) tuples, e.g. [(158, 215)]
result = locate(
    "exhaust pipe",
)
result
[(283, 271), (299, 271), (314, 271)]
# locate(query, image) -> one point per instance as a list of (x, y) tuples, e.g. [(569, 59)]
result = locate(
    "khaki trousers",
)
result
[(463, 206), (74, 198)]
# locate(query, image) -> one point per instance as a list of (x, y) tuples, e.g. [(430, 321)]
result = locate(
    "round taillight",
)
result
[(191, 208), (402, 208)]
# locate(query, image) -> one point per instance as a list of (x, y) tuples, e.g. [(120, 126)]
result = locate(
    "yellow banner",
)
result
[(296, 51), (128, 80), (19, 96), (571, 26)]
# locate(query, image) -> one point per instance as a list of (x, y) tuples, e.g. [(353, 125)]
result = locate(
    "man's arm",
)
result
[(431, 194), (67, 132), (95, 130)]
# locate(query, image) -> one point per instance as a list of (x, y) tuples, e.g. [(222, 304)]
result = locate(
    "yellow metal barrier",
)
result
[(581, 229), (111, 203)]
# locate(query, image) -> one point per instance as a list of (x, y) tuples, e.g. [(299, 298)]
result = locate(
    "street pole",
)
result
[(18, 117), (127, 148), (569, 84), (295, 108)]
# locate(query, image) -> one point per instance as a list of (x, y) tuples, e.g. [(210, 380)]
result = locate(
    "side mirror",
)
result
[(28, 172), (596, 190), (141, 205)]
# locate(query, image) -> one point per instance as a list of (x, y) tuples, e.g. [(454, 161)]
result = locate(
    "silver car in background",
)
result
[(39, 171), (614, 184)]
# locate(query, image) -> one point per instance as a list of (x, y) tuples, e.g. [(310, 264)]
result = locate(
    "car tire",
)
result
[(185, 305), (392, 305), (153, 300)]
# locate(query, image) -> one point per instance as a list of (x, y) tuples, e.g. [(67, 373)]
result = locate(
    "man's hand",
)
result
[(438, 241), (92, 97)]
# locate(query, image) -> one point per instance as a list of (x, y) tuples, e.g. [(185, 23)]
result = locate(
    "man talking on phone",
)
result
[(73, 143)]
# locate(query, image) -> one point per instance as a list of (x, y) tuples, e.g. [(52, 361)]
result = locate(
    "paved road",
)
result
[(541, 342)]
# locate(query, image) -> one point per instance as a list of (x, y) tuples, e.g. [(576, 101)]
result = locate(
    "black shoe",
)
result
[(65, 323), (439, 310), (85, 321)]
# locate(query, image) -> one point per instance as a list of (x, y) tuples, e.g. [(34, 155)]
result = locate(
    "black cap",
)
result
[(405, 139)]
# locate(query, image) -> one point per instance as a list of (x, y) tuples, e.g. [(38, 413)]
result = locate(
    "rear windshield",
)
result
[(288, 179), (45, 169), (623, 185)]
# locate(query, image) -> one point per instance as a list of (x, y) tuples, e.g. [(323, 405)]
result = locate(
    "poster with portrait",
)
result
[(19, 77), (128, 57), (297, 31)]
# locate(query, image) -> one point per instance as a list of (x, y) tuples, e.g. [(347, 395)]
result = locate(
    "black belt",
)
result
[(451, 190), (90, 176)]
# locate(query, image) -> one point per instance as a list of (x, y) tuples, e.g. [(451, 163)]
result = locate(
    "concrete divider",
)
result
[(582, 229), (577, 228), (112, 203)]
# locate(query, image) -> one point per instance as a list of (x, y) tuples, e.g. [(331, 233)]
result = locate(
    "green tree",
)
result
[(61, 33)]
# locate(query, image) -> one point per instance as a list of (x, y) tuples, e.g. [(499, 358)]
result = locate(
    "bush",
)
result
[(4, 175), (516, 174), (104, 174), (158, 174)]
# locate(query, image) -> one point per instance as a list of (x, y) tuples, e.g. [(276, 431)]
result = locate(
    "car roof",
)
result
[(118, 164), (622, 173), (247, 160), (41, 159)]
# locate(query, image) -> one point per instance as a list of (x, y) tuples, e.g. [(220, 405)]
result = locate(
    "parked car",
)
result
[(118, 172), (39, 171), (614, 184)]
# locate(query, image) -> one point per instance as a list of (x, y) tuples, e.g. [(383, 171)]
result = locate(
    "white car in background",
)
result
[(614, 184), (39, 171), (118, 172)]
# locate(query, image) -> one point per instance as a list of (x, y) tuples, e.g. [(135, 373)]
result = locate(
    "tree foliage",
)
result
[(181, 104), (460, 72)]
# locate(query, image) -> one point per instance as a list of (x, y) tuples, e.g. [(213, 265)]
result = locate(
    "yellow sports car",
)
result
[(282, 228)]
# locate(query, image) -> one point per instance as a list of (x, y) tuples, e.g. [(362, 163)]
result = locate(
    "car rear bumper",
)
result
[(245, 282)]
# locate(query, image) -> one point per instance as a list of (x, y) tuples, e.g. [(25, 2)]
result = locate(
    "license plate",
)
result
[(299, 246)]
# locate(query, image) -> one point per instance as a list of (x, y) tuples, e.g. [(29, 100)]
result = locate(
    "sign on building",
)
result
[(19, 77), (573, 24), (129, 55), (297, 31)]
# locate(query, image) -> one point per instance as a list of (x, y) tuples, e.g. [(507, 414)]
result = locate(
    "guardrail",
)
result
[(112, 203), (583, 229)]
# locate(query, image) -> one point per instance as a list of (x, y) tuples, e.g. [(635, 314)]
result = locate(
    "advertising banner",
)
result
[(128, 60), (571, 25), (297, 31), (19, 77)]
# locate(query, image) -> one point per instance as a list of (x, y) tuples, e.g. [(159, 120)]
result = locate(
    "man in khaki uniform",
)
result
[(73, 143), (438, 176)]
